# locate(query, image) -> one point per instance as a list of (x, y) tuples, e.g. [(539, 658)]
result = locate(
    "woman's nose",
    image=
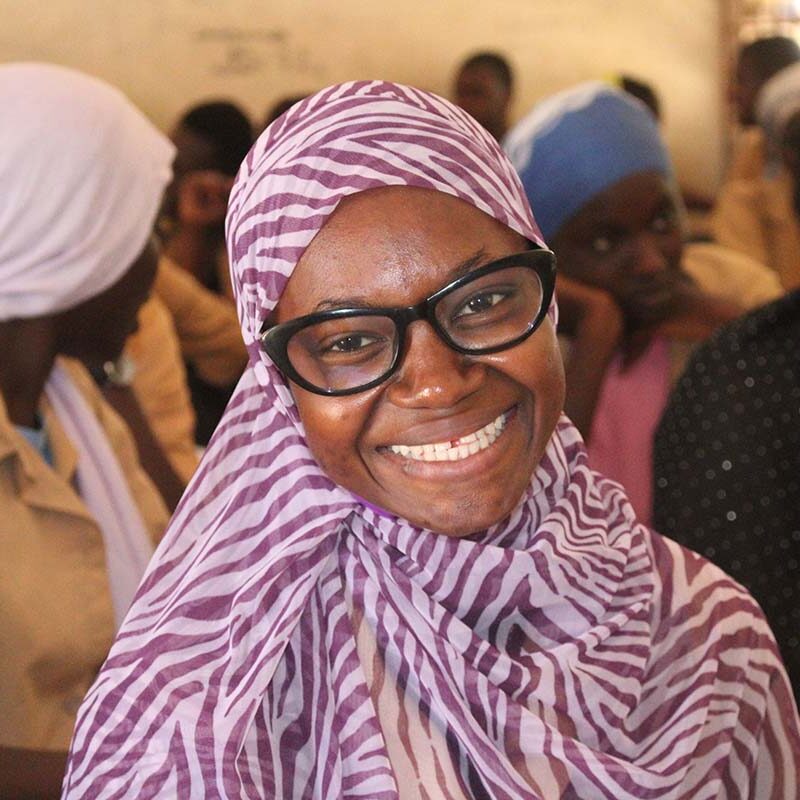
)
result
[(649, 255), (432, 374)]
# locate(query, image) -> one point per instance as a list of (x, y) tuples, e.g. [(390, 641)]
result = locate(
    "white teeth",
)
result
[(455, 450)]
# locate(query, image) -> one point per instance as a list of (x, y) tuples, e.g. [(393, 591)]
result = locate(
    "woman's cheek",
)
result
[(333, 427)]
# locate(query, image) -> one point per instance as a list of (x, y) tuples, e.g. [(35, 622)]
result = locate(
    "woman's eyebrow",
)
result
[(474, 261), (332, 303), (359, 301)]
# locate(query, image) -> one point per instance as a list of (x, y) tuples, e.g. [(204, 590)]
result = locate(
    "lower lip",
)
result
[(479, 461)]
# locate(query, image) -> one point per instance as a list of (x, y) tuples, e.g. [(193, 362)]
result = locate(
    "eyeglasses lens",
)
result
[(343, 353), (352, 351), (491, 310)]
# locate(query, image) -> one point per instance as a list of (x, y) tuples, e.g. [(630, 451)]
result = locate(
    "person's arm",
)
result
[(697, 314), (151, 456), (31, 774), (737, 221), (594, 323)]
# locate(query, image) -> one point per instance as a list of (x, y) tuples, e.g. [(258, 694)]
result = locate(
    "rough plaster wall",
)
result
[(167, 54)]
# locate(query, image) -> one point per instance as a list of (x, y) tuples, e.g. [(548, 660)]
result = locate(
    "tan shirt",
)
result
[(56, 616), (748, 156), (160, 386), (756, 216), (182, 320), (206, 324)]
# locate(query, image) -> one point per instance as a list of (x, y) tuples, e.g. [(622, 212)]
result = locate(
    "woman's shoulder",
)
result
[(699, 608)]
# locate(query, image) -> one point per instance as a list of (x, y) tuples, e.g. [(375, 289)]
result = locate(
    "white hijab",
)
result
[(82, 172)]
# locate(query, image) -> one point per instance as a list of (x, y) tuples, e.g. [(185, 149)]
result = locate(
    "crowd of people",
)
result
[(400, 450)]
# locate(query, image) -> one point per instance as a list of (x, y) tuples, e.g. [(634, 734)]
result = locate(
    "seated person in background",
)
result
[(83, 175), (212, 139), (396, 577), (753, 212), (756, 63), (484, 86), (727, 451), (633, 301)]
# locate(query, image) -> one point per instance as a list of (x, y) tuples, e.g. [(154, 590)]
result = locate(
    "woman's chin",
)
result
[(460, 517)]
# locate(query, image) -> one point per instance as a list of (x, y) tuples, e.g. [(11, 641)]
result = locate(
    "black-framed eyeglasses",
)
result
[(350, 350)]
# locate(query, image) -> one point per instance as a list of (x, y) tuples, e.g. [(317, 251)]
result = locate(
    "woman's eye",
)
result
[(480, 303), (351, 343), (601, 245)]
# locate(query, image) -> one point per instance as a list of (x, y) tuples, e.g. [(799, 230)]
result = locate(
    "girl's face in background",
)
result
[(627, 241)]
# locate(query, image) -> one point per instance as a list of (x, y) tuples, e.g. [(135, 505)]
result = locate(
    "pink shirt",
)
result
[(628, 409)]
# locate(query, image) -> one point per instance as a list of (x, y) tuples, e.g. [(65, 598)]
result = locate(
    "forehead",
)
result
[(627, 203), (392, 246)]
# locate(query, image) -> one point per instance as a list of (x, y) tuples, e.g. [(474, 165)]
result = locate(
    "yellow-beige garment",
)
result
[(182, 320), (160, 386), (206, 324), (56, 614), (728, 274), (754, 213)]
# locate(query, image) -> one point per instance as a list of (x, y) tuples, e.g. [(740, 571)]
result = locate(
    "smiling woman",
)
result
[(394, 575)]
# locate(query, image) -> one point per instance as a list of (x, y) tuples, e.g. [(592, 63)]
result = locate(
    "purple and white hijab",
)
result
[(567, 652)]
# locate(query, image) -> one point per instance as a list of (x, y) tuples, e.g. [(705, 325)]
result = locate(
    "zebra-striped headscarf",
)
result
[(564, 652)]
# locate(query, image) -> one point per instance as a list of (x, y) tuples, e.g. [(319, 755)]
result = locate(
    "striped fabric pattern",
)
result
[(567, 652)]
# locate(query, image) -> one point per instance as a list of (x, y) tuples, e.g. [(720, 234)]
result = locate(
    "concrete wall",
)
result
[(167, 54)]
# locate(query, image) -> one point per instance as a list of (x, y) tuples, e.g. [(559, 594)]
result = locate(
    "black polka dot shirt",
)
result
[(727, 462)]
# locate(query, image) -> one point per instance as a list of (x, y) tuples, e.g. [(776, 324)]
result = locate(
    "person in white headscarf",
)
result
[(83, 173)]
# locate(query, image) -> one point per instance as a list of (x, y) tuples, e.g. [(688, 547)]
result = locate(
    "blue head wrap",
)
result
[(578, 143)]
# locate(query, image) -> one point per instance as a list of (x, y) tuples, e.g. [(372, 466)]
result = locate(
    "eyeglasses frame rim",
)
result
[(274, 339)]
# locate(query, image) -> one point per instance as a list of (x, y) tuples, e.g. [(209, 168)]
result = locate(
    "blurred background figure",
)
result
[(83, 175), (727, 451), (753, 212), (484, 86), (756, 63), (212, 140), (642, 91), (697, 204), (633, 299)]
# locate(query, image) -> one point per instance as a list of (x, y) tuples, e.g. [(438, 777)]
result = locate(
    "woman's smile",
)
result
[(454, 449)]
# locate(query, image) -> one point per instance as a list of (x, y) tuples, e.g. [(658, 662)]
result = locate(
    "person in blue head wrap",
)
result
[(633, 299)]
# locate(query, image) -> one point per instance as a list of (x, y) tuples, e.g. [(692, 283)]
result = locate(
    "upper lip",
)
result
[(447, 429)]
